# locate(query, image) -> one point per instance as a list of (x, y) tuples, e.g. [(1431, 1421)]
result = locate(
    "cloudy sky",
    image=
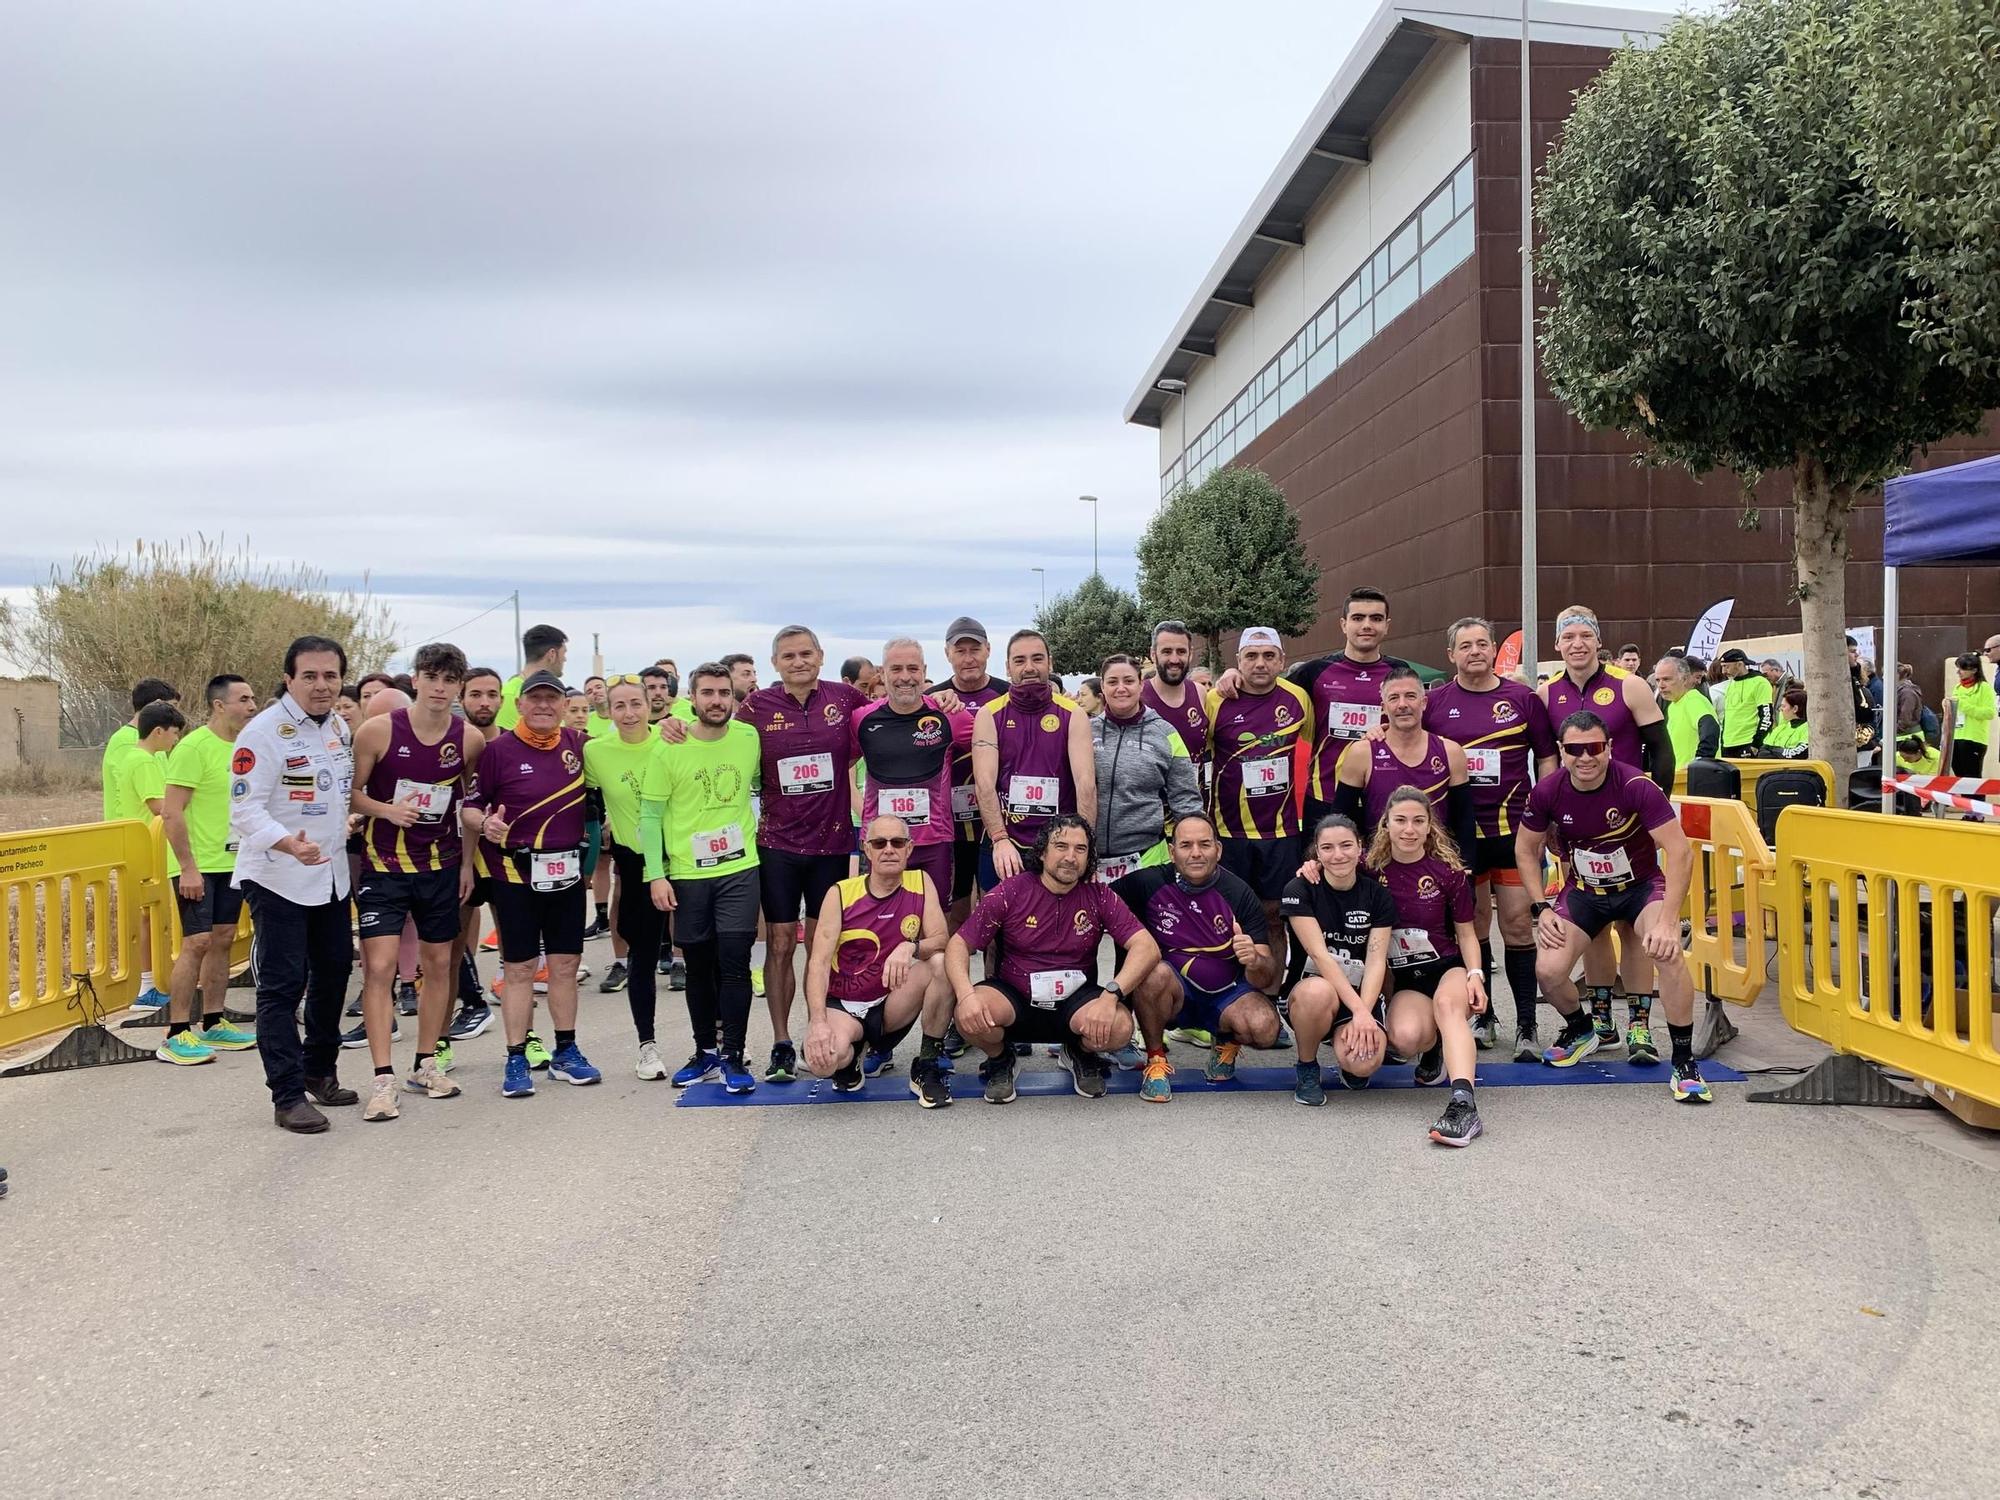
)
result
[(686, 320)]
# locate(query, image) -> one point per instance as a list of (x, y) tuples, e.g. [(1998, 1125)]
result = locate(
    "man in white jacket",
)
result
[(291, 773)]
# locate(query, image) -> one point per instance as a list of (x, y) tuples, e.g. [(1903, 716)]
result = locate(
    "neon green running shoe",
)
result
[(442, 1057), (1640, 1050), (757, 980), (1191, 1037), (185, 1049), (226, 1036), (538, 1055)]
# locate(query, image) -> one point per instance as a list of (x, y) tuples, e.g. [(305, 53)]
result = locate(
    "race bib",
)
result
[(910, 803), (1032, 794), (857, 1008), (1411, 945), (1351, 721), (433, 800), (1482, 765), (719, 846), (1351, 968), (1116, 867), (1602, 866), (1267, 778), (801, 775), (554, 872), (965, 803), (1046, 990)]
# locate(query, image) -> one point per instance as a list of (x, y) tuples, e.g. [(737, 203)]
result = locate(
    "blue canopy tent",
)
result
[(1939, 517)]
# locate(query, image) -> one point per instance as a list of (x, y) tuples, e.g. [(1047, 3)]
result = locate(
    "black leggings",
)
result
[(643, 926), (1967, 757), (719, 990)]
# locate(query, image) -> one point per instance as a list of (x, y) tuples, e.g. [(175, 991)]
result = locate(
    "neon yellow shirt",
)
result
[(200, 762), (1973, 719), (510, 694), (618, 771), (124, 741), (1786, 736), (1684, 716), (139, 777), (696, 800), (601, 727), (1742, 699)]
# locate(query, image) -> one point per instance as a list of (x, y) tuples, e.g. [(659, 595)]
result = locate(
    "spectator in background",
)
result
[(859, 673), (1917, 756), (347, 704), (1746, 705), (1867, 726), (1972, 704), (1775, 674), (1910, 706), (1202, 677), (124, 740), (1692, 728), (1992, 650), (1788, 736), (1629, 658), (1090, 696)]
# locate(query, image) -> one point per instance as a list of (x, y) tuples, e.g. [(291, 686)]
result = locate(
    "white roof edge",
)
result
[(1576, 25)]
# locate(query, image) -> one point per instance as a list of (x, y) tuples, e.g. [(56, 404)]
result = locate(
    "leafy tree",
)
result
[(1930, 144), (184, 612), (1088, 624), (1226, 554), (1732, 290)]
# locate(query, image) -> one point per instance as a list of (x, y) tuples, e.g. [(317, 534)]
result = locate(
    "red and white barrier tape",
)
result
[(1919, 786), (1958, 786)]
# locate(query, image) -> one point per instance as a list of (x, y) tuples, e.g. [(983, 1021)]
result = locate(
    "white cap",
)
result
[(1260, 635)]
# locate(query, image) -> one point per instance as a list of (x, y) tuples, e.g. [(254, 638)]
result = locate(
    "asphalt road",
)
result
[(591, 1292)]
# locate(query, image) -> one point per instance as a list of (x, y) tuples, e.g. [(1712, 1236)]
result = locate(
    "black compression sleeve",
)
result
[(1708, 738), (1659, 754), (1350, 801), (1459, 820)]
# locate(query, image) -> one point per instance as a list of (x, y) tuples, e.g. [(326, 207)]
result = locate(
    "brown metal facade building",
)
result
[(1403, 463)]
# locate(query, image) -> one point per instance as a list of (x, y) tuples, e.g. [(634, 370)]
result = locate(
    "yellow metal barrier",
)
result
[(1755, 770), (1729, 902), (1886, 942)]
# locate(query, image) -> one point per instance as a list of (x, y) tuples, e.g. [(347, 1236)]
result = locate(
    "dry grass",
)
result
[(49, 797)]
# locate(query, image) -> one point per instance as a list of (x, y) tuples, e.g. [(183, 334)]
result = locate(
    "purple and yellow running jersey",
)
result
[(1431, 900), (1346, 700), (1251, 740), (1604, 837), (808, 752), (871, 927), (1604, 695), (1190, 720), (1388, 774), (1505, 732), (1036, 781), (435, 776), (964, 795), (542, 791)]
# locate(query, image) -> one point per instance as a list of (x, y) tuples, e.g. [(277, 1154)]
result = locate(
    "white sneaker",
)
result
[(382, 1099), (582, 972), (649, 1065)]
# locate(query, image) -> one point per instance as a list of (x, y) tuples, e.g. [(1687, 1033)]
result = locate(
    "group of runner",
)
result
[(963, 820)]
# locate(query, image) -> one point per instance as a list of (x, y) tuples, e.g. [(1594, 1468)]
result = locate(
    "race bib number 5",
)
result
[(718, 846), (799, 775), (1047, 990)]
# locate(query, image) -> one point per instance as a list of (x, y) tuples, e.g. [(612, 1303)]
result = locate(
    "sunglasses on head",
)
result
[(889, 843), (1583, 747), (623, 679)]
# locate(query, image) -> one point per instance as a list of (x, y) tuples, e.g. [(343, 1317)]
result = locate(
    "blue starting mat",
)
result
[(1188, 1080)]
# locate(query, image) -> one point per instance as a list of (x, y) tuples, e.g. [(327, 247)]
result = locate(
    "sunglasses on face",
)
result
[(1583, 748), (889, 843)]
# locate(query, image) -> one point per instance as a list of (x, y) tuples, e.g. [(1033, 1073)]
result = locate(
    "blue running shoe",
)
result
[(736, 1075), (571, 1066), (699, 1068), (518, 1082), (151, 999), (878, 1062), (1307, 1087)]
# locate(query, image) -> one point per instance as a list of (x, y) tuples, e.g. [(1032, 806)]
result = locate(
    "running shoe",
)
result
[(849, 1079), (1640, 1050), (1459, 1124), (445, 1061), (1128, 1058), (1430, 1067), (519, 1080), (1307, 1088), (1191, 1036), (1600, 1017), (1154, 1086), (571, 1066), (1484, 1032), (1571, 1049), (930, 1083), (879, 1063), (429, 1080), (1085, 1069), (614, 978), (666, 965), (1688, 1086), (600, 927), (406, 999), (1221, 1065), (150, 999), (997, 1076), (471, 1021), (537, 1054), (226, 1036), (382, 1098), (757, 980), (649, 1066), (736, 1075), (677, 975), (491, 942), (358, 1037), (953, 1044), (354, 1005), (582, 972), (185, 1049), (1526, 1047), (784, 1066), (542, 978), (698, 1068), (1286, 1041), (1355, 1080)]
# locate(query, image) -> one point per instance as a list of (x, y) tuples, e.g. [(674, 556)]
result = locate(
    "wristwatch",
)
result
[(1112, 989), (1536, 908)]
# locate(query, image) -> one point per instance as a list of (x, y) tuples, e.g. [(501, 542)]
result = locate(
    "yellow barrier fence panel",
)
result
[(1729, 898), (1885, 942), (165, 917), (71, 901)]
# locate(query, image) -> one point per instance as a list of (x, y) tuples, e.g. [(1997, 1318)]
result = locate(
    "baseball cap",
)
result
[(964, 628), (543, 679), (1259, 635), (1735, 653)]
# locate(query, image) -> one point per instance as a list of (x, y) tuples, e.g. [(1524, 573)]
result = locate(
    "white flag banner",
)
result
[(1706, 637)]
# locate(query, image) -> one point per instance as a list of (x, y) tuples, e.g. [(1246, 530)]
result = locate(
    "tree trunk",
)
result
[(1819, 552)]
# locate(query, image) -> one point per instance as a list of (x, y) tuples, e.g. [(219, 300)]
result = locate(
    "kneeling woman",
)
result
[(1434, 980)]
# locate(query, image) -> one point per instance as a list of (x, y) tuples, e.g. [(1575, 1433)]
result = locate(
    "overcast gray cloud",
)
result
[(684, 321)]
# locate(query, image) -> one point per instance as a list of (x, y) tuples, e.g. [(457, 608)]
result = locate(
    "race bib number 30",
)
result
[(554, 872), (799, 775), (1032, 794), (433, 801), (1602, 866), (718, 846), (910, 803), (1266, 778)]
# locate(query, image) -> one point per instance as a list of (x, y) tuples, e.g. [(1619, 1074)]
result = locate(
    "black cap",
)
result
[(1735, 653), (543, 679), (965, 628)]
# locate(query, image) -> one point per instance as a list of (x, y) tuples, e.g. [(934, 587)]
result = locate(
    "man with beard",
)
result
[(1032, 760), (480, 701), (1168, 693)]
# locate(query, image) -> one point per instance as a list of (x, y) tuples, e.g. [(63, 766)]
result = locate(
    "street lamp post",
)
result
[(1531, 651), (1091, 501), (1043, 579), (1178, 390)]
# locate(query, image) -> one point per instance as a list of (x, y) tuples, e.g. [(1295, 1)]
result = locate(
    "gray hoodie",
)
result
[(1144, 776)]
